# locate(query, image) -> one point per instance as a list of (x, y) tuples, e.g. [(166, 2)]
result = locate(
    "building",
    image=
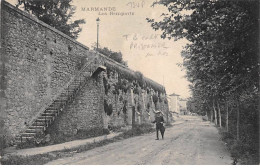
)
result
[(182, 106), (177, 105), (173, 103)]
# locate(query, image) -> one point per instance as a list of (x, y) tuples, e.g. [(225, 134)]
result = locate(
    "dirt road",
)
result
[(193, 142)]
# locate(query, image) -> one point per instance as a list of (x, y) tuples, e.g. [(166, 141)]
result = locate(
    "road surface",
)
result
[(194, 142)]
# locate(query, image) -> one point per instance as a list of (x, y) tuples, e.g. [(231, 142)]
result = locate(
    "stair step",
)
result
[(47, 117), (27, 134), (33, 131), (48, 114), (24, 138), (53, 107), (42, 120), (50, 110), (39, 124), (38, 127), (57, 104)]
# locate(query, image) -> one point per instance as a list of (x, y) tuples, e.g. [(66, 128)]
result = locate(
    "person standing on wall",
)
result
[(159, 124)]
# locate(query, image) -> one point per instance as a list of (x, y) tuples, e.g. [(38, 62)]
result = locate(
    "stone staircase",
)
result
[(35, 133)]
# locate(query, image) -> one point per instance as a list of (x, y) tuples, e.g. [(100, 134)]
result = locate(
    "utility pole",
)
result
[(98, 20)]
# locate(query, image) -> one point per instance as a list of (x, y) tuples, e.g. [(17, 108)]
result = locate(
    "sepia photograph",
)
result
[(129, 82)]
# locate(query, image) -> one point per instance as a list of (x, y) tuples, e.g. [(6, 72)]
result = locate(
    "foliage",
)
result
[(139, 107), (155, 99), (56, 13), (108, 108), (221, 60), (140, 79), (127, 76), (148, 105), (125, 106), (106, 85), (116, 56), (160, 98)]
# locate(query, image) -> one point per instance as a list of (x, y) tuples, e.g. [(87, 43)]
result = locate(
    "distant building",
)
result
[(173, 103), (176, 104), (183, 106)]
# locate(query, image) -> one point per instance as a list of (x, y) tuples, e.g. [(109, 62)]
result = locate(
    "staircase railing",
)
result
[(61, 91)]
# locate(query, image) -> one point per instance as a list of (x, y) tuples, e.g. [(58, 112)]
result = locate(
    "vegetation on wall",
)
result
[(137, 89), (155, 99), (125, 106), (160, 97), (108, 108), (139, 107), (148, 106), (106, 85), (133, 77), (125, 111), (165, 101)]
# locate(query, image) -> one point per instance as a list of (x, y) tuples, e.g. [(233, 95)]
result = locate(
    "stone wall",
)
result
[(2, 86), (39, 60), (85, 113), (123, 94)]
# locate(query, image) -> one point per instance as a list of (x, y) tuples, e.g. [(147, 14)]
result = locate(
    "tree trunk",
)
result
[(211, 116), (211, 113), (215, 112), (227, 115), (219, 114), (133, 116), (238, 118)]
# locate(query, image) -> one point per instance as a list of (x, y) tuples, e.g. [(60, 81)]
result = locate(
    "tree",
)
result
[(221, 59), (116, 56), (56, 13)]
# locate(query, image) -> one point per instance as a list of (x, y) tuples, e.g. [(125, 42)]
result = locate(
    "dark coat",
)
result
[(159, 120)]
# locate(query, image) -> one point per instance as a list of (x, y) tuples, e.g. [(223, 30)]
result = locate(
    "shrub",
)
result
[(155, 99), (108, 108)]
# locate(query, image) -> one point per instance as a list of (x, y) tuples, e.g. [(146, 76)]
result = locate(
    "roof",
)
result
[(174, 94)]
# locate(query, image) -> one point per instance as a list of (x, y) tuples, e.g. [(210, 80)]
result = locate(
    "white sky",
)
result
[(158, 63)]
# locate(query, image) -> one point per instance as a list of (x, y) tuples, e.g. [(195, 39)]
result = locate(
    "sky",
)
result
[(123, 27)]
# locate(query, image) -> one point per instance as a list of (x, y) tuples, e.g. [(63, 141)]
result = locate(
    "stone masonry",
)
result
[(38, 60)]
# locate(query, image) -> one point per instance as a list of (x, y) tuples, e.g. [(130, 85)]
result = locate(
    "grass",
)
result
[(45, 158), (241, 152)]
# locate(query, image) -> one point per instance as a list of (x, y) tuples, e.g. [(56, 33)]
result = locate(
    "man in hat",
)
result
[(159, 124)]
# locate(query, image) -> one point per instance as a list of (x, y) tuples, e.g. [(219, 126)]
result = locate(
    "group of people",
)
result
[(159, 124)]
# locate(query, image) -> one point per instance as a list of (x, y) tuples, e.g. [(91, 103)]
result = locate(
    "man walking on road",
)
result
[(159, 124)]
